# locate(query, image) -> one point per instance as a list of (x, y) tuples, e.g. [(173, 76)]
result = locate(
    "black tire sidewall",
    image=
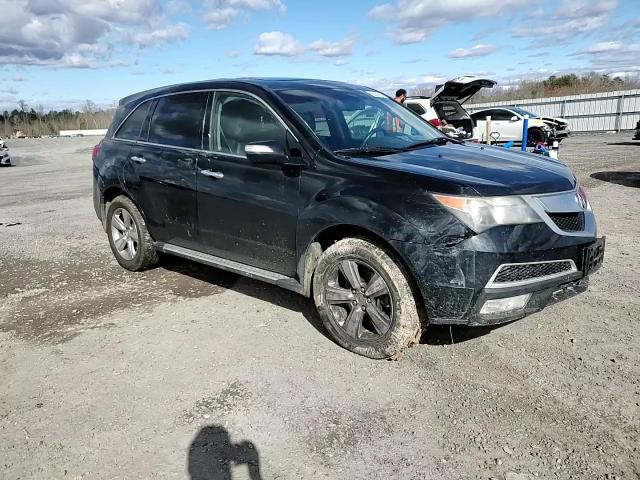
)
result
[(537, 134), (404, 324), (137, 262)]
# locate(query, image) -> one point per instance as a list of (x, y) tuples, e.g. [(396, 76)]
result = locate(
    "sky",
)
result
[(59, 53)]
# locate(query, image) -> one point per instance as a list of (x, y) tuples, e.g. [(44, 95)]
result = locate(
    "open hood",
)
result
[(461, 88)]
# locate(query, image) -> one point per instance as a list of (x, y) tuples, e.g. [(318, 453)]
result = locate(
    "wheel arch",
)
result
[(107, 197), (336, 232)]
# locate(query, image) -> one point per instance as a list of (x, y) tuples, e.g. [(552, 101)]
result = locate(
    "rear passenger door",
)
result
[(164, 164), (247, 212)]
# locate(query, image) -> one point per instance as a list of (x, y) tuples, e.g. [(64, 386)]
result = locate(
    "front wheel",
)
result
[(535, 136), (364, 299)]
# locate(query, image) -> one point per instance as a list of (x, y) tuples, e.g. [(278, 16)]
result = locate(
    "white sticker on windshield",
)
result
[(373, 93)]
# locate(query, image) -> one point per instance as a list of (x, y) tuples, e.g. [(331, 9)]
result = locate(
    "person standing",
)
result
[(401, 95)]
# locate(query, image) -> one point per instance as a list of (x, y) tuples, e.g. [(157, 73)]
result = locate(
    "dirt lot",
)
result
[(189, 372)]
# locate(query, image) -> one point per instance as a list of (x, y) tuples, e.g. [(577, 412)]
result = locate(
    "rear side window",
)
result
[(130, 129), (416, 107), (177, 120), (500, 114)]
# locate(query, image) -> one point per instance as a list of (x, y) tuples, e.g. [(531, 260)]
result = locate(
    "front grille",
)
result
[(569, 222), (530, 271)]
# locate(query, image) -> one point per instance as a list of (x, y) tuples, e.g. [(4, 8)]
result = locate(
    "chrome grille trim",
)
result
[(494, 284), (548, 204)]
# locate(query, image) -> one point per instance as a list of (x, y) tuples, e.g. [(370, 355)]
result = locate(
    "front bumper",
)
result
[(455, 281), (557, 134)]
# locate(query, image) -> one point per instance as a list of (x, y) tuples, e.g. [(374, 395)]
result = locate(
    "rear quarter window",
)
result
[(130, 129), (416, 107)]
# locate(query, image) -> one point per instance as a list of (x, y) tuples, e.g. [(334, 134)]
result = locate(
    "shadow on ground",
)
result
[(627, 179), (636, 143), (247, 286), (212, 454), (434, 335)]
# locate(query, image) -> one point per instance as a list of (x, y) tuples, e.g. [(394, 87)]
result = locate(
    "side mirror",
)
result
[(266, 152), (514, 118)]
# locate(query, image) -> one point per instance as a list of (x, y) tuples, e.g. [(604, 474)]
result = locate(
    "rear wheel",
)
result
[(535, 136), (129, 238), (364, 299)]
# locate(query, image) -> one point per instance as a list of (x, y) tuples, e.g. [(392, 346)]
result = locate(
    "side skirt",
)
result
[(232, 266)]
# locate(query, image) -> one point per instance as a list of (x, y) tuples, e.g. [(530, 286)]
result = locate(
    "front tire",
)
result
[(129, 238), (365, 300), (535, 136)]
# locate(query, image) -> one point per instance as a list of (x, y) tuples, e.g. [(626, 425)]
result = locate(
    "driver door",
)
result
[(247, 212)]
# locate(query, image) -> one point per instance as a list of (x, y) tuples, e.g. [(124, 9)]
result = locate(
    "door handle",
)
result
[(212, 174), (137, 159)]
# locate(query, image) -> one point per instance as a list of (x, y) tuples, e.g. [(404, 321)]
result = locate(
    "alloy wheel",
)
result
[(359, 300), (124, 234)]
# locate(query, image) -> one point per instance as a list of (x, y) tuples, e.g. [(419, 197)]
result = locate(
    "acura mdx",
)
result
[(338, 193)]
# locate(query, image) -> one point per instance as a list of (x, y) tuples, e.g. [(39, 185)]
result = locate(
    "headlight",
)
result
[(482, 213)]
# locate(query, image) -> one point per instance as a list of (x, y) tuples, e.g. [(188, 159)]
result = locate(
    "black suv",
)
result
[(337, 192)]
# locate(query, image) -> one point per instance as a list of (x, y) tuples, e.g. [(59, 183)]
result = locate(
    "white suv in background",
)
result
[(509, 122), (446, 104)]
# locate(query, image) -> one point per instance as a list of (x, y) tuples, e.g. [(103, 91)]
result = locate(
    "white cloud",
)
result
[(278, 44), (479, 50), (602, 47), (179, 31), (78, 33), (571, 18), (332, 49), (612, 56), (220, 14), (412, 21), (286, 45)]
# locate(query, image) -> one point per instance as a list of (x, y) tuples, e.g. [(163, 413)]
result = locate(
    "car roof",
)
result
[(263, 82), (498, 107)]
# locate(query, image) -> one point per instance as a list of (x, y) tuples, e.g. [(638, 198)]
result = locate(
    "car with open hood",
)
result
[(338, 193), (446, 105)]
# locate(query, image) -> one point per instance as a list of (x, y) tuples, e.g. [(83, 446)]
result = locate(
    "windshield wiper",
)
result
[(433, 141), (368, 151)]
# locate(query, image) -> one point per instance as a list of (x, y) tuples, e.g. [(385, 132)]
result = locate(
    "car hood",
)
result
[(554, 121), (481, 169)]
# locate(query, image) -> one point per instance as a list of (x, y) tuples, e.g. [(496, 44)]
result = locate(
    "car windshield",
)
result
[(522, 112), (346, 119)]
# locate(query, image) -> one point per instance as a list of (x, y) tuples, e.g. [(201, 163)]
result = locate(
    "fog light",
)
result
[(501, 305)]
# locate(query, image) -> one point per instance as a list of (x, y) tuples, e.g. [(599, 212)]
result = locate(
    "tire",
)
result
[(535, 136), (339, 313), (129, 238)]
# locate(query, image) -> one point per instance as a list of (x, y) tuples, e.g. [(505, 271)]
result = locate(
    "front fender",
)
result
[(356, 212)]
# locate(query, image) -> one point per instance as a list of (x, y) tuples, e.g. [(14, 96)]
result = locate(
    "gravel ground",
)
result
[(189, 372)]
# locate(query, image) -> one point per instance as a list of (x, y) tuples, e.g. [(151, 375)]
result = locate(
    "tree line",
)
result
[(557, 86), (553, 86), (36, 122)]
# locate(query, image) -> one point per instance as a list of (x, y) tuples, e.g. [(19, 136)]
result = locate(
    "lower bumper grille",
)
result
[(515, 274), (569, 222)]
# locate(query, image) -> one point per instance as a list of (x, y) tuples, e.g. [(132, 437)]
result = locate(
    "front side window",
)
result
[(177, 120), (522, 112), (357, 118), (238, 120), (130, 129)]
